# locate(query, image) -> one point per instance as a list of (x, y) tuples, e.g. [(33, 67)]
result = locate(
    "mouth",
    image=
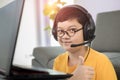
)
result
[(66, 42)]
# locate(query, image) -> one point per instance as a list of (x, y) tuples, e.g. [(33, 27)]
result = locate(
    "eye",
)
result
[(60, 31), (72, 30)]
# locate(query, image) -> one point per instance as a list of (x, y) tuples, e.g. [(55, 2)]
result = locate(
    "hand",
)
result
[(82, 72)]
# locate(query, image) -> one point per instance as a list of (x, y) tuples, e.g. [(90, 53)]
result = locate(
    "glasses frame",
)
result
[(68, 33)]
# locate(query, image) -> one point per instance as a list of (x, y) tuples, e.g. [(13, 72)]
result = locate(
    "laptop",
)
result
[(10, 17)]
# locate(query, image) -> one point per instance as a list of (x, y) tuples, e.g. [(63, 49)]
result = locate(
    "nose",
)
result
[(66, 35)]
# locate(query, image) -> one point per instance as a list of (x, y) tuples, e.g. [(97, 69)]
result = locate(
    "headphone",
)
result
[(88, 28)]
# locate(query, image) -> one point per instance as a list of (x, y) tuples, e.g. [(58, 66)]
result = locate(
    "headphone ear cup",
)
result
[(89, 29), (85, 32)]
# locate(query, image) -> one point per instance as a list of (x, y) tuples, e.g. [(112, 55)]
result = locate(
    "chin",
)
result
[(67, 47)]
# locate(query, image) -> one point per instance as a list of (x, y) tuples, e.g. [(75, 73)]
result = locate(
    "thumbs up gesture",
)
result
[(82, 72)]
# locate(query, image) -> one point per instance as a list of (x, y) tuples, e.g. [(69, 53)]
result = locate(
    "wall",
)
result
[(27, 38), (96, 6)]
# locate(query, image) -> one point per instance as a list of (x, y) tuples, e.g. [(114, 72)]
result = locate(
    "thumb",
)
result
[(81, 60)]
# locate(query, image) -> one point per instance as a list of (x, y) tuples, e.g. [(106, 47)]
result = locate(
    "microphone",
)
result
[(75, 45), (86, 42)]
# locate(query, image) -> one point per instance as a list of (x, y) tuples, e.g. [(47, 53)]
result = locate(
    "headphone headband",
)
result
[(88, 28)]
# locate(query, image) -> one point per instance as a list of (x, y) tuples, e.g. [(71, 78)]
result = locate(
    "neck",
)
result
[(78, 52), (74, 56)]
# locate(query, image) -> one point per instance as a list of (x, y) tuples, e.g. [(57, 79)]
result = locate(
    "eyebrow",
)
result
[(70, 26)]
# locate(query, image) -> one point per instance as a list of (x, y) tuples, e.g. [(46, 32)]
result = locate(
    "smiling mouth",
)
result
[(66, 42)]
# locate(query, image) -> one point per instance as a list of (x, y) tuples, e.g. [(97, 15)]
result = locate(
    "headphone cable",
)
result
[(88, 52)]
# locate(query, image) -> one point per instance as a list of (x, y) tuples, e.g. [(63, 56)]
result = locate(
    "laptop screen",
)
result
[(10, 16)]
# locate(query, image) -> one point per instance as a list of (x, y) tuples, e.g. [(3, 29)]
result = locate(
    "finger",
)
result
[(81, 60), (91, 72), (90, 77), (90, 68)]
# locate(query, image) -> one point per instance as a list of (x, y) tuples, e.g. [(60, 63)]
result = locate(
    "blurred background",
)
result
[(37, 20)]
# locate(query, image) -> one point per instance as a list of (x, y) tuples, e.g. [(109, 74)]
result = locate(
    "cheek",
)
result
[(60, 41), (78, 37)]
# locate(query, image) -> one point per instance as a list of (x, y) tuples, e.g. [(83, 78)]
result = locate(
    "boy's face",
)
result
[(67, 33)]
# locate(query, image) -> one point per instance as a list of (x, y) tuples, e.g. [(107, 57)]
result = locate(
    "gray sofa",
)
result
[(107, 38), (44, 56), (107, 41)]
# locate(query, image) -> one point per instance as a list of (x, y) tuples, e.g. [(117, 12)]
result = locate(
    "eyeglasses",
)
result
[(70, 32)]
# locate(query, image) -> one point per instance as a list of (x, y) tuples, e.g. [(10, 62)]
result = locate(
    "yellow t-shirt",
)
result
[(103, 67)]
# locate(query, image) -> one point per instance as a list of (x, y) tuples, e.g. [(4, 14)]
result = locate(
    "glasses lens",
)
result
[(71, 32), (60, 33)]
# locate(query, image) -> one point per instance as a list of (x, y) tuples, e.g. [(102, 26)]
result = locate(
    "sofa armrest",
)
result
[(44, 56), (115, 59)]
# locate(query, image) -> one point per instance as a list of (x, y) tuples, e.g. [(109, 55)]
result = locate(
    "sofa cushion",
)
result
[(44, 56), (115, 59), (107, 32)]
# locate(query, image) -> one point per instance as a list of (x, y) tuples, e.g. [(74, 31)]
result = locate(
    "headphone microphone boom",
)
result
[(76, 45), (86, 42)]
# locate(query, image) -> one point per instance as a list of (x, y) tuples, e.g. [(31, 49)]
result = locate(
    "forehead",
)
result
[(69, 23)]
